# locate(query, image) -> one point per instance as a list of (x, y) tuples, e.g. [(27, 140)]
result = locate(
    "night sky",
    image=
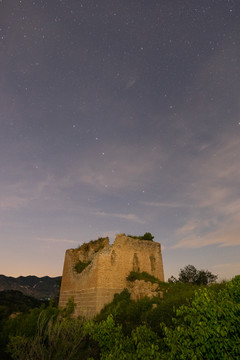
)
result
[(120, 116)]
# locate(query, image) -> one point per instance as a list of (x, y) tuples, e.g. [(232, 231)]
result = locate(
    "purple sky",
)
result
[(119, 116)]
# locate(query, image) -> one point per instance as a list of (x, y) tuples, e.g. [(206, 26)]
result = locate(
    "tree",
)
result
[(189, 274), (173, 280)]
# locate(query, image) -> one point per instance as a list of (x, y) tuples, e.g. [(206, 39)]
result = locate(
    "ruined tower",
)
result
[(94, 272)]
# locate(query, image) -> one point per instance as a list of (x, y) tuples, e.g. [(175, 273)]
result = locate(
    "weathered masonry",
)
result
[(94, 272)]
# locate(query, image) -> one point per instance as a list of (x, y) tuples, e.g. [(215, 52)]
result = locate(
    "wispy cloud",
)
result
[(188, 228), (197, 233), (129, 217), (119, 166), (12, 202), (215, 196), (164, 204), (57, 240), (20, 194), (226, 270)]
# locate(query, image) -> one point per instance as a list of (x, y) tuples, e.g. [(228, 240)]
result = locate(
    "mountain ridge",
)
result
[(45, 287)]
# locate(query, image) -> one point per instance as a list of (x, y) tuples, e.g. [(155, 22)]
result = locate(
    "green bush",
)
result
[(134, 275), (147, 236), (80, 266), (165, 308)]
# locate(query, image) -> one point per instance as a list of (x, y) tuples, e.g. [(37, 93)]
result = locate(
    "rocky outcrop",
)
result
[(139, 289)]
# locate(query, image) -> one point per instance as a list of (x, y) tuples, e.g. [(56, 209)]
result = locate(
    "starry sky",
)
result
[(119, 116)]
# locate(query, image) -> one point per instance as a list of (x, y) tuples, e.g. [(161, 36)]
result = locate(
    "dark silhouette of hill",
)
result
[(38, 287), (13, 302)]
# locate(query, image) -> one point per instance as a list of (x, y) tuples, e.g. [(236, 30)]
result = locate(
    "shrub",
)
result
[(147, 236), (98, 244), (80, 266), (142, 276)]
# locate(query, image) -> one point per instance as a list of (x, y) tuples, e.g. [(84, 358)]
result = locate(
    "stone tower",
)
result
[(106, 269)]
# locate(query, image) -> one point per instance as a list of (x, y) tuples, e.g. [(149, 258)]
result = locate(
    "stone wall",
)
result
[(106, 274)]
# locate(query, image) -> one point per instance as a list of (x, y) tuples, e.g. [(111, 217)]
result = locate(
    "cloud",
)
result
[(22, 193), (13, 196), (215, 198), (119, 166), (57, 240), (227, 270), (189, 227), (12, 202), (224, 233), (163, 204), (129, 217)]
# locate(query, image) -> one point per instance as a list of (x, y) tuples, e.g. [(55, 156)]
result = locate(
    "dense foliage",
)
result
[(189, 322), (209, 328), (12, 301), (57, 336), (46, 333), (143, 343)]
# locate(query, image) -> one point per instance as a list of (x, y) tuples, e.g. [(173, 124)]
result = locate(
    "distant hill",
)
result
[(40, 288), (13, 302)]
